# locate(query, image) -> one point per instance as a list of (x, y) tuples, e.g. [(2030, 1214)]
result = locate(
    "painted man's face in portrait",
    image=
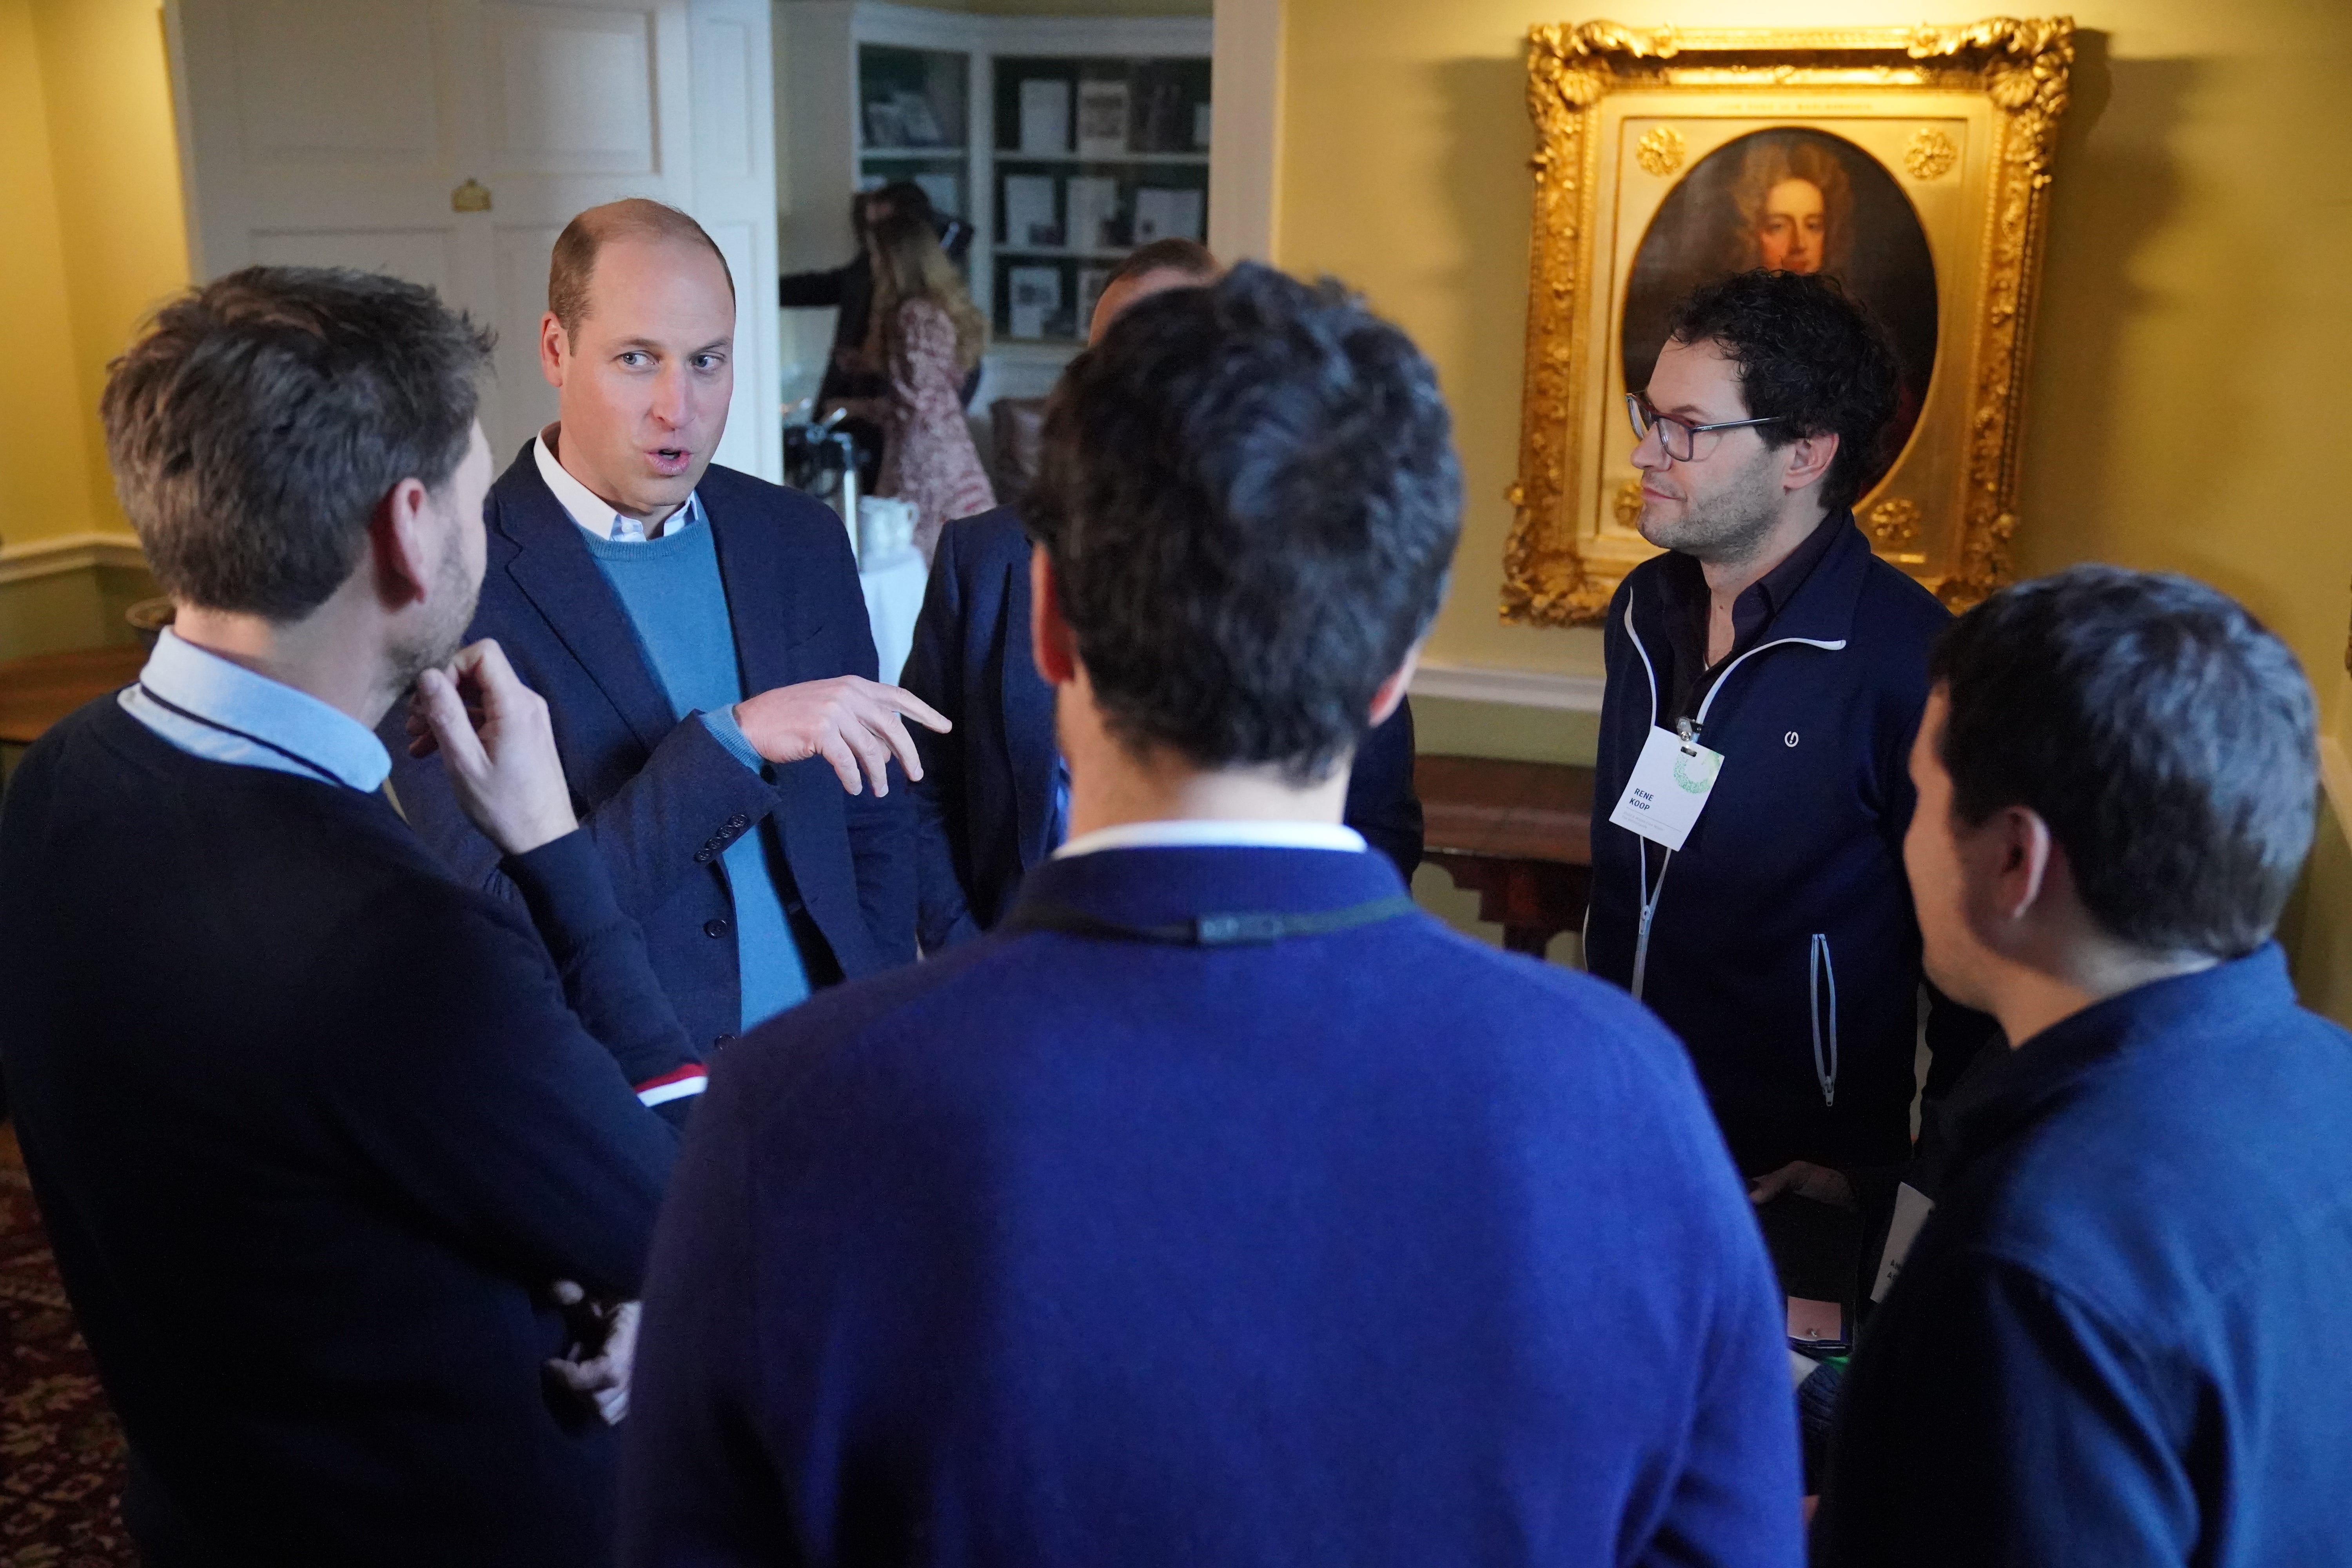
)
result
[(1795, 226)]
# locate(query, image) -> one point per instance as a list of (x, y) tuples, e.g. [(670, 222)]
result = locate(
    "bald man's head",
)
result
[(573, 266), (1149, 270)]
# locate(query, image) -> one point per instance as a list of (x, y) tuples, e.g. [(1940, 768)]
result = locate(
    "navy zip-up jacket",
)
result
[(1781, 945), (2120, 1338)]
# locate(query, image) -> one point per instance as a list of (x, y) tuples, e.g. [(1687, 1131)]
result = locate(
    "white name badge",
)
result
[(1911, 1211), (1668, 789)]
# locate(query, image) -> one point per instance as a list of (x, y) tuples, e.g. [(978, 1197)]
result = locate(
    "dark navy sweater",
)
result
[(1377, 1246), (2121, 1337), (313, 1129)]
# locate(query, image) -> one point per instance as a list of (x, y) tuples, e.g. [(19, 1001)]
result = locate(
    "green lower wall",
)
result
[(1445, 726), (80, 609)]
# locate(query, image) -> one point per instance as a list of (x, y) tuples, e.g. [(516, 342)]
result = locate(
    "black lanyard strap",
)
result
[(168, 705), (1243, 928)]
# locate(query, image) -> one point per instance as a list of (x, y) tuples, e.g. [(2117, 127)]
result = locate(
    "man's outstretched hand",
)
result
[(495, 740), (850, 721)]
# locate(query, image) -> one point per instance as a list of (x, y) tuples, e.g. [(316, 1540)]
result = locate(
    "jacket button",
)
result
[(714, 927), (719, 1042), (703, 854), (738, 821)]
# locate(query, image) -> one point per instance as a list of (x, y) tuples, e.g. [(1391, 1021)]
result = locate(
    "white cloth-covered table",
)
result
[(894, 597)]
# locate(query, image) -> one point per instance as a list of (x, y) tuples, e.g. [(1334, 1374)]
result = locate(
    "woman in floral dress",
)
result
[(930, 335)]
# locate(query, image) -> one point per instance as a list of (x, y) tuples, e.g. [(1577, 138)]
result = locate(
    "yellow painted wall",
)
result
[(2189, 392), (43, 481), (2188, 386), (90, 180)]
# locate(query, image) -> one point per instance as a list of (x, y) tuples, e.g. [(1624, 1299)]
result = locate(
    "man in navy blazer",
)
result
[(1219, 1207), (991, 804), (701, 641)]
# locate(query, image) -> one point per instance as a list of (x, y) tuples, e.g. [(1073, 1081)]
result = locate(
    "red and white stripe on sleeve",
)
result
[(688, 1078)]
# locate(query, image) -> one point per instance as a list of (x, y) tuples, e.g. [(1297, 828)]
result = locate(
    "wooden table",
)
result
[(36, 693), (1519, 834)]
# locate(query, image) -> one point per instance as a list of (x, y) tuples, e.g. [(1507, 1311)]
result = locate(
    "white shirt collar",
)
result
[(215, 708), (1202, 835), (585, 507)]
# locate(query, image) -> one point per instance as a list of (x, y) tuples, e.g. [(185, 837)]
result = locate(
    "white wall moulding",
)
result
[(1244, 153), (1511, 688), (68, 552), (448, 143)]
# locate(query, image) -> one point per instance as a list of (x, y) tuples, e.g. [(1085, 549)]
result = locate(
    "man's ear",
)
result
[(1050, 642), (1391, 693), (2024, 862), (402, 545), (1808, 460), (554, 349)]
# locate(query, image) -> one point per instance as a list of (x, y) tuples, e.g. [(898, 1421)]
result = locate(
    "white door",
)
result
[(449, 141)]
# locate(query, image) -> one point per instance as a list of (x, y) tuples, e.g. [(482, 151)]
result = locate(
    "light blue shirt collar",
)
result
[(212, 708), (587, 508)]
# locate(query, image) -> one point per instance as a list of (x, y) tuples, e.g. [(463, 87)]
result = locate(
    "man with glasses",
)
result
[(1766, 675)]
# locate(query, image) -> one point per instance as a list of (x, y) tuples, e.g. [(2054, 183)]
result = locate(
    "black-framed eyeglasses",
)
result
[(1679, 438)]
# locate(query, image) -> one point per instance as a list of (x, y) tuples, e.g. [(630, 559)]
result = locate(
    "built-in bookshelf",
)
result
[(1063, 140)]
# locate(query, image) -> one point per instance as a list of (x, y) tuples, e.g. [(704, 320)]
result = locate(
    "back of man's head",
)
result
[(1175, 254), (1249, 499), (256, 427), (2165, 736), (1810, 358)]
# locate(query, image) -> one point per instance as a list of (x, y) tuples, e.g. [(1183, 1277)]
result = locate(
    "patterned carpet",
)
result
[(60, 1455)]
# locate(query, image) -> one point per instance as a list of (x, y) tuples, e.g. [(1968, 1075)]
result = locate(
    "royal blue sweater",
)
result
[(1376, 1247)]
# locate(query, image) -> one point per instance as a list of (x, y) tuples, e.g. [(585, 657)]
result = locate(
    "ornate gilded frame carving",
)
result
[(1608, 100)]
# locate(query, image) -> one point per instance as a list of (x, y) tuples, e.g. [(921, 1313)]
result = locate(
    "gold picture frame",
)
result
[(1630, 123)]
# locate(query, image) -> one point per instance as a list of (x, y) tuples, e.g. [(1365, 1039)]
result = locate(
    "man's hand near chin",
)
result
[(499, 746), (850, 721)]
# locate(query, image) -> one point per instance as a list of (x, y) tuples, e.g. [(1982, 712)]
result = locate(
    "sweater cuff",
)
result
[(567, 889), (730, 734)]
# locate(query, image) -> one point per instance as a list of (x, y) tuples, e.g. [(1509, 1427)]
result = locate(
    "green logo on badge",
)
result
[(1696, 774)]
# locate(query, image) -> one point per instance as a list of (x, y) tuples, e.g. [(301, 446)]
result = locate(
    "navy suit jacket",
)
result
[(660, 796), (1371, 1247), (984, 806)]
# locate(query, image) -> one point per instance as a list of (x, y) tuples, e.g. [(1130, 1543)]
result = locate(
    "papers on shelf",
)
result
[(1029, 210), (1045, 115), (1102, 118), (1164, 212), (1036, 294), (1091, 281), (885, 125), (1200, 126), (1093, 202), (922, 125)]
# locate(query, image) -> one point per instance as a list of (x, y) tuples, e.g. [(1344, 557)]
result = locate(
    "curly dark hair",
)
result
[(2167, 738), (1811, 355), (1249, 497)]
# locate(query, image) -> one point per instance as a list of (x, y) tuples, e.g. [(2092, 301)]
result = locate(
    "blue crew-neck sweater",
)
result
[(677, 605)]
